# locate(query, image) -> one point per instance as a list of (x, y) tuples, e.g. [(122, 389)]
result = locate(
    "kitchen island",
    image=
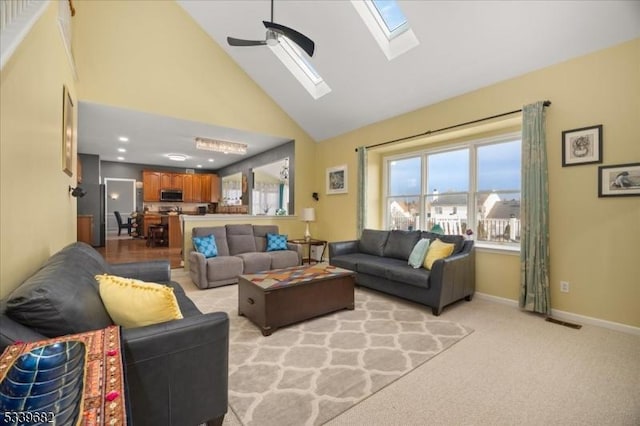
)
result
[(171, 221)]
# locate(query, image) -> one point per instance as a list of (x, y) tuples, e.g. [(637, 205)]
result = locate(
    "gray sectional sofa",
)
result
[(380, 260), (241, 250)]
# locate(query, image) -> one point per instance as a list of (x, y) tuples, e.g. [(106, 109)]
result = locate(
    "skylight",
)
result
[(388, 26), (297, 63)]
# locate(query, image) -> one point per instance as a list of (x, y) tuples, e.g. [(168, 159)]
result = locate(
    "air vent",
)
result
[(189, 171)]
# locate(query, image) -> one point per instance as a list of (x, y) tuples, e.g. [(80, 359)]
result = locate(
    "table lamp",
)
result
[(308, 215)]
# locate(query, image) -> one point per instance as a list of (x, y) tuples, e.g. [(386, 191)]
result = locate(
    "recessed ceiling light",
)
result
[(123, 139), (122, 150), (199, 166), (120, 158), (177, 157), (210, 160)]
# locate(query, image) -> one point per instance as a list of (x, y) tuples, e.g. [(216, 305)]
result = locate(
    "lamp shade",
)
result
[(309, 214)]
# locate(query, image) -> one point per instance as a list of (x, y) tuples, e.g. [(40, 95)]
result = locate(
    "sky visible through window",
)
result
[(390, 13), (498, 169)]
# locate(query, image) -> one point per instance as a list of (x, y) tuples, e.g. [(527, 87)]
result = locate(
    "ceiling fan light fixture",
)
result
[(217, 145), (177, 157)]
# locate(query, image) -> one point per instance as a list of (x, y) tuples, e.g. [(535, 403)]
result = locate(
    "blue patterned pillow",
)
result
[(276, 242), (206, 246)]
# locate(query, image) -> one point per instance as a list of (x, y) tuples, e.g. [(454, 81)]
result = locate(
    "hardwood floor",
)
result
[(135, 250)]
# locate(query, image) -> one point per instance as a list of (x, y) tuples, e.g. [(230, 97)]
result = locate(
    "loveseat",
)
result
[(176, 372), (380, 260), (241, 249)]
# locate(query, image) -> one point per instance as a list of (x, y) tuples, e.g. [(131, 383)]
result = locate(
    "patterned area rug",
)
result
[(310, 372)]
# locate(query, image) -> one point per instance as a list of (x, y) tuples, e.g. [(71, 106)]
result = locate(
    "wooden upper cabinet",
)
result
[(197, 188), (187, 188), (206, 189), (177, 180), (165, 180), (150, 186), (215, 189)]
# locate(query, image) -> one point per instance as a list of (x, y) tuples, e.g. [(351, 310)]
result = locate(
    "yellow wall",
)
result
[(37, 214), (152, 57), (594, 241)]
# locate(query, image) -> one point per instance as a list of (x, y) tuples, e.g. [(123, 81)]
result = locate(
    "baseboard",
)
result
[(567, 316)]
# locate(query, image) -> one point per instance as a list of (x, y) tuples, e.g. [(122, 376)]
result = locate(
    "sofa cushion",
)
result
[(437, 250), (255, 262), (219, 234), (419, 252), (456, 240), (206, 246), (378, 266), (240, 239), (348, 261), (62, 296), (283, 259), (400, 243), (373, 241), (224, 268), (276, 242), (260, 234), (134, 303), (408, 275)]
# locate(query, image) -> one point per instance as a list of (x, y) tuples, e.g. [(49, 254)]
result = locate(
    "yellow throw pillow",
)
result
[(437, 250), (134, 303)]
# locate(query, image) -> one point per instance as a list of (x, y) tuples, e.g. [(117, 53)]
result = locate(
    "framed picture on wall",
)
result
[(582, 146), (619, 180), (337, 180), (67, 132)]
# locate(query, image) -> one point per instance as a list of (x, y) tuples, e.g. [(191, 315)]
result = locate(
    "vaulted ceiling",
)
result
[(463, 46)]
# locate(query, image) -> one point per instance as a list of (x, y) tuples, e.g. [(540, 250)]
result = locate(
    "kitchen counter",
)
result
[(172, 221)]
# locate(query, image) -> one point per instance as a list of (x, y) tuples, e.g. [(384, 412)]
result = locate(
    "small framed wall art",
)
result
[(67, 132), (619, 180), (337, 180), (582, 146)]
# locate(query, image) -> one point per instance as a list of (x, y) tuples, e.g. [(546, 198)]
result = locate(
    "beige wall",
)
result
[(594, 241), (37, 214)]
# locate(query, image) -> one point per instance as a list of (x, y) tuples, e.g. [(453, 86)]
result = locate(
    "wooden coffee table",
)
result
[(280, 297)]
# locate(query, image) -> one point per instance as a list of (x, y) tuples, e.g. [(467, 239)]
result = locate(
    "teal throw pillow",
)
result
[(276, 242), (419, 252), (206, 246)]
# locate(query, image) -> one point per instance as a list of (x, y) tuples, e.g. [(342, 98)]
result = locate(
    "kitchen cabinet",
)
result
[(85, 228), (197, 188), (177, 181), (165, 181), (150, 186), (149, 220), (215, 189), (187, 188)]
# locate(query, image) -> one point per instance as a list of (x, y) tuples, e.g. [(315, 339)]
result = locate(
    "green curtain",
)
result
[(362, 190), (534, 245)]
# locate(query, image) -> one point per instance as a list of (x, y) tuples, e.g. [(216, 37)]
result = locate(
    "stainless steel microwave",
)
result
[(171, 195)]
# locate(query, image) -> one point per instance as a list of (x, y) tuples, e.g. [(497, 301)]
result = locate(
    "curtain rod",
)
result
[(428, 132)]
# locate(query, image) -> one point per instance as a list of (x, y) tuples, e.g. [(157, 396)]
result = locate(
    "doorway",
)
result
[(120, 196)]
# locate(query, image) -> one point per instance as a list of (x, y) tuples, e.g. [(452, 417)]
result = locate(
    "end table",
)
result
[(309, 243)]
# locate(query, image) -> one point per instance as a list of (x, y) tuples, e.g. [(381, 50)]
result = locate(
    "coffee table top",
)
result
[(280, 278)]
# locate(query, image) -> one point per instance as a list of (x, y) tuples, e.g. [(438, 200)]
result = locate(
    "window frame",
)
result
[(472, 145)]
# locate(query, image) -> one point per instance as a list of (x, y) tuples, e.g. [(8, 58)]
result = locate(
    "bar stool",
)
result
[(158, 236)]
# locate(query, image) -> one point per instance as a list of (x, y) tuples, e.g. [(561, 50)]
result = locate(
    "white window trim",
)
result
[(472, 145), (392, 44), (292, 59)]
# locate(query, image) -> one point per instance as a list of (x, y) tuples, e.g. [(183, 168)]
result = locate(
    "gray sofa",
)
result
[(241, 250), (380, 260), (176, 371)]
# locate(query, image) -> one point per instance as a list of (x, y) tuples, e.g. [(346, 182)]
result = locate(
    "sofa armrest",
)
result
[(338, 248), (177, 371), (153, 270), (298, 249), (454, 277), (198, 269)]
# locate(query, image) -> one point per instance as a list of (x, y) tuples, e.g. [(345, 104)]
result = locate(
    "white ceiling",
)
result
[(464, 45)]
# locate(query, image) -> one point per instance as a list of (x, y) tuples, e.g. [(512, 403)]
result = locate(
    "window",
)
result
[(388, 26), (297, 63), (474, 186)]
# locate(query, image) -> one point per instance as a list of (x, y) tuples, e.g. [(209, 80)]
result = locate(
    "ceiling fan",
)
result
[(274, 32)]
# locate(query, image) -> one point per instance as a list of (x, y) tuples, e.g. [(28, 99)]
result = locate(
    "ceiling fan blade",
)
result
[(300, 39), (240, 42)]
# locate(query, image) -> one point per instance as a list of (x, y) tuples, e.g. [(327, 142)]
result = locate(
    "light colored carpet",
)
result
[(514, 369), (308, 373)]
